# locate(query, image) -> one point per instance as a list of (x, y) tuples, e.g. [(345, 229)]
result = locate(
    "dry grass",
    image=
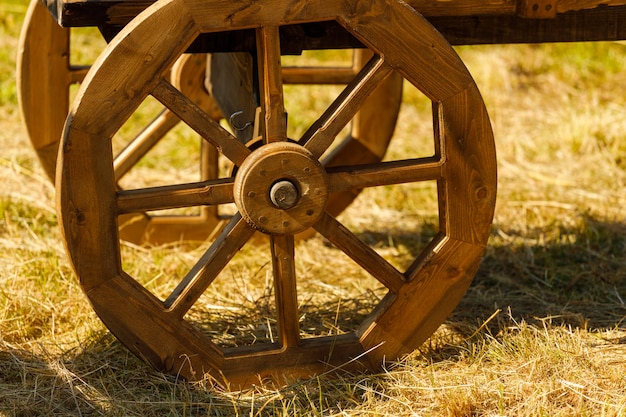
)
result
[(540, 332)]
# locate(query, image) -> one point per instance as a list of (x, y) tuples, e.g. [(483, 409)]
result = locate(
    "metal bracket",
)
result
[(536, 9)]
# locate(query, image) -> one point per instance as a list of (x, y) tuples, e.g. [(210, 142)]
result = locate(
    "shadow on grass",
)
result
[(574, 277), (104, 379), (101, 379), (32, 385), (571, 276)]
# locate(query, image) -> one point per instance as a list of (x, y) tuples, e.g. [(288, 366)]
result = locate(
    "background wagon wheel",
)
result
[(280, 189), (45, 75)]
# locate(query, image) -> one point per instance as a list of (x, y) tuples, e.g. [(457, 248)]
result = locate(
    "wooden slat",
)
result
[(333, 354), (467, 193), (271, 85), (360, 253), (318, 75), (134, 320), (384, 173), (143, 142), (230, 241), (211, 192), (284, 269), (94, 12), (323, 132), (573, 5), (599, 24), (461, 21), (201, 122)]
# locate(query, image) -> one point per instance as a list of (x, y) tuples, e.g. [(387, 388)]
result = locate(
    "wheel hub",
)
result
[(281, 188)]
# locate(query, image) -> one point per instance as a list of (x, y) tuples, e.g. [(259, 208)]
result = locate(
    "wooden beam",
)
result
[(600, 24), (462, 22)]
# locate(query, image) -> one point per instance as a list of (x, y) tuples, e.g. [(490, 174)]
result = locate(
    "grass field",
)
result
[(541, 331)]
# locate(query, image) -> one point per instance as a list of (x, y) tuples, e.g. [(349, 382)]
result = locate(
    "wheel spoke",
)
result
[(204, 193), (359, 252), (201, 122), (318, 75), (285, 288), (322, 133), (77, 73), (384, 173), (143, 142), (230, 241), (270, 78)]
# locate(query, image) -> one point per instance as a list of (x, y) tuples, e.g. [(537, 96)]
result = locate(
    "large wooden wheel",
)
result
[(45, 75), (280, 188)]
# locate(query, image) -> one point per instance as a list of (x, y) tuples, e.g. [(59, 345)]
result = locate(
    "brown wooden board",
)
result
[(73, 13), (600, 22), (603, 23)]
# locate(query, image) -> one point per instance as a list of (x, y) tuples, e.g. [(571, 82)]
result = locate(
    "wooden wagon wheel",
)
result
[(280, 189), (45, 75)]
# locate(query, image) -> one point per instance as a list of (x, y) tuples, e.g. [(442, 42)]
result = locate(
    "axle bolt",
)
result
[(284, 194)]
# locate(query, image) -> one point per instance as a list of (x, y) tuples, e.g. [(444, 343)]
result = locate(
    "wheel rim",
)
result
[(418, 298)]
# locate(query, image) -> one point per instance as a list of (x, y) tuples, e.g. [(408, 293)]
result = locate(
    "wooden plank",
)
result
[(413, 314), (97, 12), (573, 5), (463, 22), (599, 24), (602, 23), (279, 367), (138, 320)]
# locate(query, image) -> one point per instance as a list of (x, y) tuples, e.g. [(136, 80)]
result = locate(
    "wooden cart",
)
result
[(281, 187)]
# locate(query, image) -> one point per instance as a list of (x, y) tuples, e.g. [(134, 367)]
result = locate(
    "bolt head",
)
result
[(284, 194)]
